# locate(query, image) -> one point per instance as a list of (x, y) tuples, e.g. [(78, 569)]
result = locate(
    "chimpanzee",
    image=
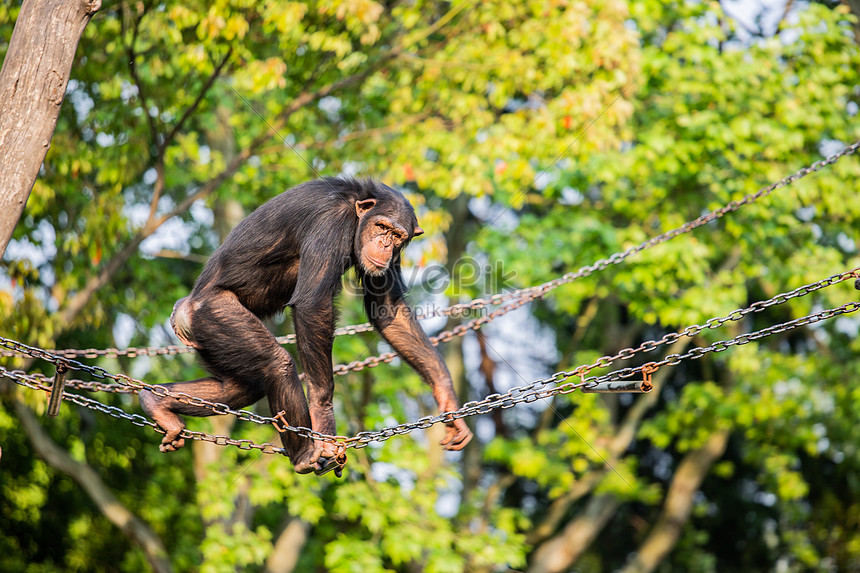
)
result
[(292, 252)]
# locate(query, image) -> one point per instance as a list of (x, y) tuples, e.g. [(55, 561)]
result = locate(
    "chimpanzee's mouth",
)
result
[(376, 263)]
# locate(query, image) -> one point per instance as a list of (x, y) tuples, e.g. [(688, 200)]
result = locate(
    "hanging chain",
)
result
[(171, 350), (475, 324), (532, 392), (127, 384), (160, 391), (40, 382), (539, 389), (527, 294)]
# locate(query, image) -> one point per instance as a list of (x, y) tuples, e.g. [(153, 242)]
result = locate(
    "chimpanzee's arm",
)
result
[(393, 318)]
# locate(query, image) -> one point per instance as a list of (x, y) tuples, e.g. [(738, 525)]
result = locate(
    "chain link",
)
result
[(541, 389), (41, 382), (527, 294), (463, 329), (102, 374), (537, 390)]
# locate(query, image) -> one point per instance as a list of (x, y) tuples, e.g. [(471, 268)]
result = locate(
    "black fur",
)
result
[(292, 251)]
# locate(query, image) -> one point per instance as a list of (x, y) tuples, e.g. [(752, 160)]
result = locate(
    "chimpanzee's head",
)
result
[(387, 223)]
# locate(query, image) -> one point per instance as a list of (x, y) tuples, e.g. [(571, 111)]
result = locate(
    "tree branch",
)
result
[(559, 507), (132, 66), (131, 525), (488, 369), (193, 107)]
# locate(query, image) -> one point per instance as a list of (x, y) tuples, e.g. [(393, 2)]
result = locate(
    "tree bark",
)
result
[(33, 84), (131, 525), (561, 551), (679, 502), (288, 547)]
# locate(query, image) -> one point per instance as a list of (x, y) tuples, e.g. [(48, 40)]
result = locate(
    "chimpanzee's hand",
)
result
[(457, 435)]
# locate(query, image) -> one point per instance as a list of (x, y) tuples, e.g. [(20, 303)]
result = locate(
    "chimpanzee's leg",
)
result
[(314, 338), (164, 410), (246, 363)]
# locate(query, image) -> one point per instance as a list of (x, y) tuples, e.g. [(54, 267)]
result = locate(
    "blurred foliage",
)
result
[(533, 137)]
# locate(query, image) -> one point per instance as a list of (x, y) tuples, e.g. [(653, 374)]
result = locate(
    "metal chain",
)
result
[(91, 386), (529, 293), (171, 350), (538, 389), (475, 324), (41, 382), (601, 362), (721, 345), (160, 391), (733, 316)]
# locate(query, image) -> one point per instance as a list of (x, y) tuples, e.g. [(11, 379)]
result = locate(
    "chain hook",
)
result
[(647, 370), (340, 458), (279, 417)]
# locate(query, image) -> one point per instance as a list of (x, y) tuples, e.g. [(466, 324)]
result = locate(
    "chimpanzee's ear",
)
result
[(418, 231), (362, 207)]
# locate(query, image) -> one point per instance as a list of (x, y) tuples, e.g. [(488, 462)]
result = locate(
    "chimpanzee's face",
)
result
[(381, 235), (381, 239)]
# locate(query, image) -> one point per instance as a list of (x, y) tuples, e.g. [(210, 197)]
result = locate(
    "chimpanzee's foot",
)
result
[(329, 456), (171, 441), (166, 420), (325, 450), (305, 462), (323, 458)]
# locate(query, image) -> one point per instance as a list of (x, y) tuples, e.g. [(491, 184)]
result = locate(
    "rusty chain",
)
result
[(475, 324), (137, 385), (538, 390), (527, 294), (41, 382), (534, 391)]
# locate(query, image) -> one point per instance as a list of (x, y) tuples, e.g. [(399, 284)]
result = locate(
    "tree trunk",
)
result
[(563, 550), (854, 5), (679, 502), (33, 83), (288, 548)]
